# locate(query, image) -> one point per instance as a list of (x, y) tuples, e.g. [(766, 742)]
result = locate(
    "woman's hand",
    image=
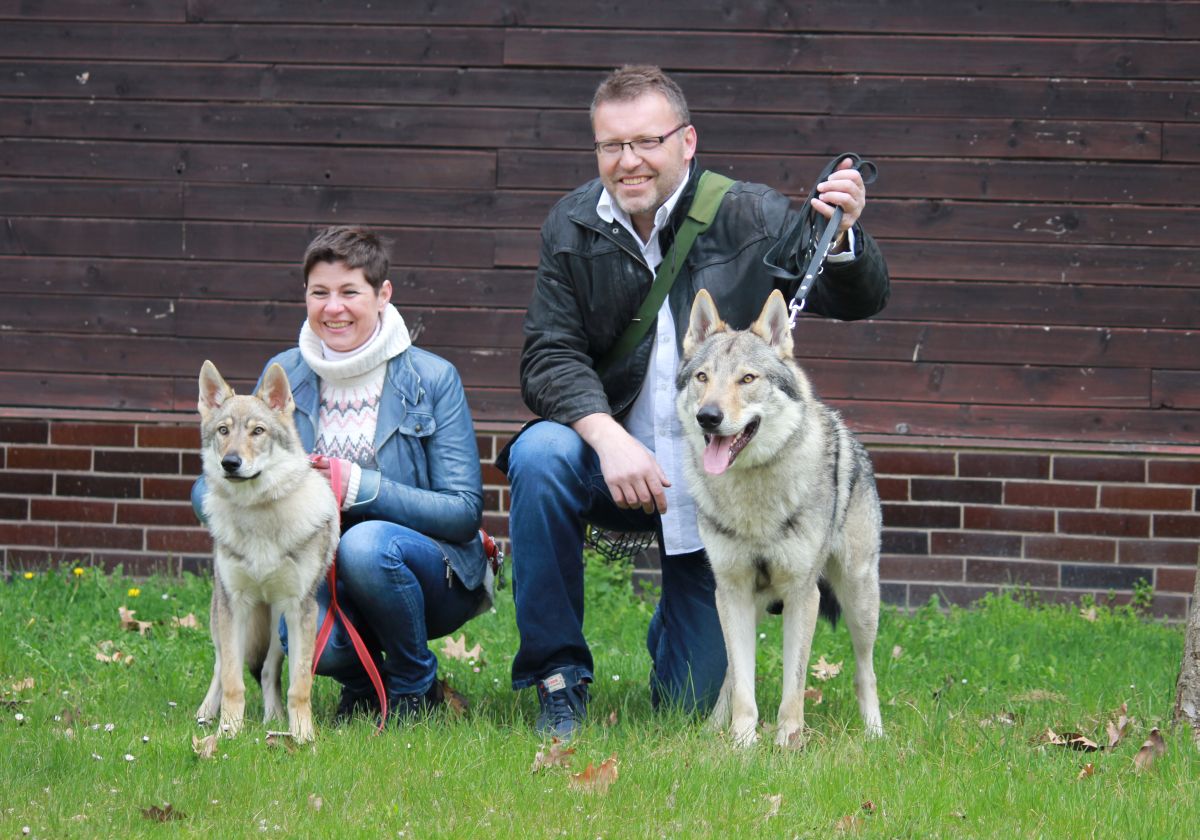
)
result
[(321, 463)]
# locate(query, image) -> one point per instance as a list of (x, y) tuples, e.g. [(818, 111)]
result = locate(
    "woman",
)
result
[(410, 564)]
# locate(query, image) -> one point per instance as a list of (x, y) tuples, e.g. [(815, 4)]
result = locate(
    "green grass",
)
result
[(939, 772)]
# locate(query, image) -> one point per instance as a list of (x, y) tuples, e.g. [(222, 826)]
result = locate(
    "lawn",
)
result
[(98, 748)]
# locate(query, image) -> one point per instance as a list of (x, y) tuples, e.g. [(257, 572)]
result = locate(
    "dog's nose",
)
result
[(231, 463), (709, 417)]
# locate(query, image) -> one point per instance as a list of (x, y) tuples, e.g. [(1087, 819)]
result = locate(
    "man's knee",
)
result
[(545, 450)]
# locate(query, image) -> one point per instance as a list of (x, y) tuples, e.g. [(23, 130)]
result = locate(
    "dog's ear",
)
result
[(774, 325), (704, 322), (275, 390), (214, 390)]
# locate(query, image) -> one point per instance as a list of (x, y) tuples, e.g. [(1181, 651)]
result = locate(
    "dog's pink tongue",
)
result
[(716, 454)]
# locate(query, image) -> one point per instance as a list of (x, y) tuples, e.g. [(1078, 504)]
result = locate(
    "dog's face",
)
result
[(735, 385), (239, 435)]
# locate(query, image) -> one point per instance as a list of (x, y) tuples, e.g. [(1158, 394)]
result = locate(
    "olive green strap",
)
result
[(709, 192)]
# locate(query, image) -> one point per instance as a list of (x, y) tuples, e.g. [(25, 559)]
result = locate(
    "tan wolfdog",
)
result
[(786, 498), (274, 524)]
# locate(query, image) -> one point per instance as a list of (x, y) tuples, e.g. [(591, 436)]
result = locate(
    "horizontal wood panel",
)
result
[(1181, 143), (823, 53), (123, 10), (64, 390), (1177, 389)]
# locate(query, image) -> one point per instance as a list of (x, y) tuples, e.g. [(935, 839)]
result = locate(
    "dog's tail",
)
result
[(830, 609)]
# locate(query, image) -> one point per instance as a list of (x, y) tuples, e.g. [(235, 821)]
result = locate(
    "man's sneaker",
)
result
[(353, 703), (406, 708), (564, 706)]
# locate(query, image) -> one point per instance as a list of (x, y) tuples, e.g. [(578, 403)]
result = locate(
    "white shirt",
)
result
[(652, 419)]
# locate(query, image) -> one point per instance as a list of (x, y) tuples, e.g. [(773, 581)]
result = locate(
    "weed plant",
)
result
[(95, 748)]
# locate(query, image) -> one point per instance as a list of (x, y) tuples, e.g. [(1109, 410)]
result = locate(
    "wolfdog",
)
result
[(274, 524), (786, 496)]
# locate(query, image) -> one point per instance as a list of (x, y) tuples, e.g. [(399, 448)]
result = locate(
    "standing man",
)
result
[(610, 449)]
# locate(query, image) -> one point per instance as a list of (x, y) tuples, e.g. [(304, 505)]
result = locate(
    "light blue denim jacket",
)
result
[(428, 475)]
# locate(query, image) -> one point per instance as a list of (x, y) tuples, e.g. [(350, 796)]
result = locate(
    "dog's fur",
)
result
[(274, 524), (786, 496)]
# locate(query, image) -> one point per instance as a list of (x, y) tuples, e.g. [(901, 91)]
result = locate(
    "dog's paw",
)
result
[(302, 728), (230, 726), (744, 733), (790, 737)]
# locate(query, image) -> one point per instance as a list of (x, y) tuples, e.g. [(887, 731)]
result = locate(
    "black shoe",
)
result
[(564, 706), (407, 708), (353, 703)]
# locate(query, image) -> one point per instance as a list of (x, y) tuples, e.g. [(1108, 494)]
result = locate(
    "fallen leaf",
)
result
[(596, 779), (868, 806), (1089, 614), (826, 670), (773, 802), (1082, 743), (315, 802), (999, 719), (455, 700), (1153, 747), (190, 621), (162, 814), (281, 739), (1039, 695), (896, 651), (1088, 770), (1072, 740), (813, 695), (205, 747), (128, 622), (850, 822), (457, 649), (106, 651), (611, 720), (557, 754), (21, 685)]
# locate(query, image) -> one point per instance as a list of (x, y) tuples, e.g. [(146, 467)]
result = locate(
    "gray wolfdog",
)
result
[(274, 524), (786, 496)]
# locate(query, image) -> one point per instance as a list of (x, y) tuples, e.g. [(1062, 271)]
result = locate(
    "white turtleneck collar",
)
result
[(391, 338)]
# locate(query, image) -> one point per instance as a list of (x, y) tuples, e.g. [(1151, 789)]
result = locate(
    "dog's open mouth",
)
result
[(721, 450)]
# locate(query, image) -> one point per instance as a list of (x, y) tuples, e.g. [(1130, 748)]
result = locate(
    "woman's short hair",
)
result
[(357, 247), (633, 80)]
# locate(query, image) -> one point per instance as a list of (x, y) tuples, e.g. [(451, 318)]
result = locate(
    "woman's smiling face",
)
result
[(343, 309)]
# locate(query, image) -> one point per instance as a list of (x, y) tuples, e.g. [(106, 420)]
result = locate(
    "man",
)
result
[(610, 447)]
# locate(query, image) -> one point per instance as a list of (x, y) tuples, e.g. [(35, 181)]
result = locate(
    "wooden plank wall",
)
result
[(163, 164)]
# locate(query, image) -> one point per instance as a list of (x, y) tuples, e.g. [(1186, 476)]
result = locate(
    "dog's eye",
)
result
[(701, 377), (748, 378), (259, 430), (222, 430)]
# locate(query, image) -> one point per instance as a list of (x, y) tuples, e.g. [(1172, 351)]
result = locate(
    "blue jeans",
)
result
[(392, 584), (557, 486)]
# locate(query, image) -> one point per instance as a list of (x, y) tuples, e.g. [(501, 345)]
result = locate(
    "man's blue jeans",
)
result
[(392, 584), (557, 486)]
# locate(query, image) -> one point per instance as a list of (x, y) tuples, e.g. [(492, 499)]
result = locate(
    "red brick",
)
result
[(41, 558), (84, 536), (496, 526), (137, 565), (26, 484), (132, 513), (22, 534), (966, 544), (905, 542), (1177, 525), (904, 462), (922, 516), (491, 475), (190, 464), (1157, 552), (1069, 548), (962, 596), (892, 489), (1102, 524), (1081, 576), (956, 490), (1175, 472), (1076, 468), (1002, 465), (491, 500), (24, 431), (900, 567), (168, 437), (487, 447), (1008, 519), (168, 489), (47, 458), (14, 508), (1050, 495), (3, 458), (96, 485), (1012, 573), (179, 540), (92, 434), (1175, 580), (72, 510), (134, 461), (1145, 498)]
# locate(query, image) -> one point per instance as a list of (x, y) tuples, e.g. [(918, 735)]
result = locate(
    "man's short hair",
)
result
[(357, 247), (632, 80)]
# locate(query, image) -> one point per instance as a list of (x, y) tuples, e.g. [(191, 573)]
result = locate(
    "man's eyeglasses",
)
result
[(613, 148)]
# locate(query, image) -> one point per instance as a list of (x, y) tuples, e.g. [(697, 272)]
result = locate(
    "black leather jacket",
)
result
[(592, 279)]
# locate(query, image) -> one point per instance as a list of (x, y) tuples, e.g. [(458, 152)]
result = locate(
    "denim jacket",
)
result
[(428, 475)]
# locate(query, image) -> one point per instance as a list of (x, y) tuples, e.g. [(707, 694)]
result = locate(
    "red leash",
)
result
[(364, 655)]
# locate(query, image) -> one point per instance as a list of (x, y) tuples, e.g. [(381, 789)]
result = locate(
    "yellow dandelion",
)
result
[(134, 592), (29, 576), (78, 571)]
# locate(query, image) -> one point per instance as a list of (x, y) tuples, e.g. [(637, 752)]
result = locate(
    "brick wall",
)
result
[(960, 520)]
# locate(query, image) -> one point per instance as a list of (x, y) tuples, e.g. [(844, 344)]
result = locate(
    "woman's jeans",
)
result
[(392, 583), (557, 486)]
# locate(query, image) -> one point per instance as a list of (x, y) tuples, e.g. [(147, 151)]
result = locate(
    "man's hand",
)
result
[(844, 189), (634, 478)]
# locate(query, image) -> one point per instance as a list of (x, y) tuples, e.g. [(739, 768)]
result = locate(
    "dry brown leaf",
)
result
[(454, 700), (868, 806), (774, 800), (128, 622), (1153, 747), (826, 670), (1088, 771), (556, 754), (163, 814), (1039, 695), (205, 747), (596, 779), (850, 822), (106, 651), (1089, 614), (457, 649), (189, 621), (21, 685), (813, 695), (611, 720), (999, 719), (281, 739), (897, 651), (315, 802)]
